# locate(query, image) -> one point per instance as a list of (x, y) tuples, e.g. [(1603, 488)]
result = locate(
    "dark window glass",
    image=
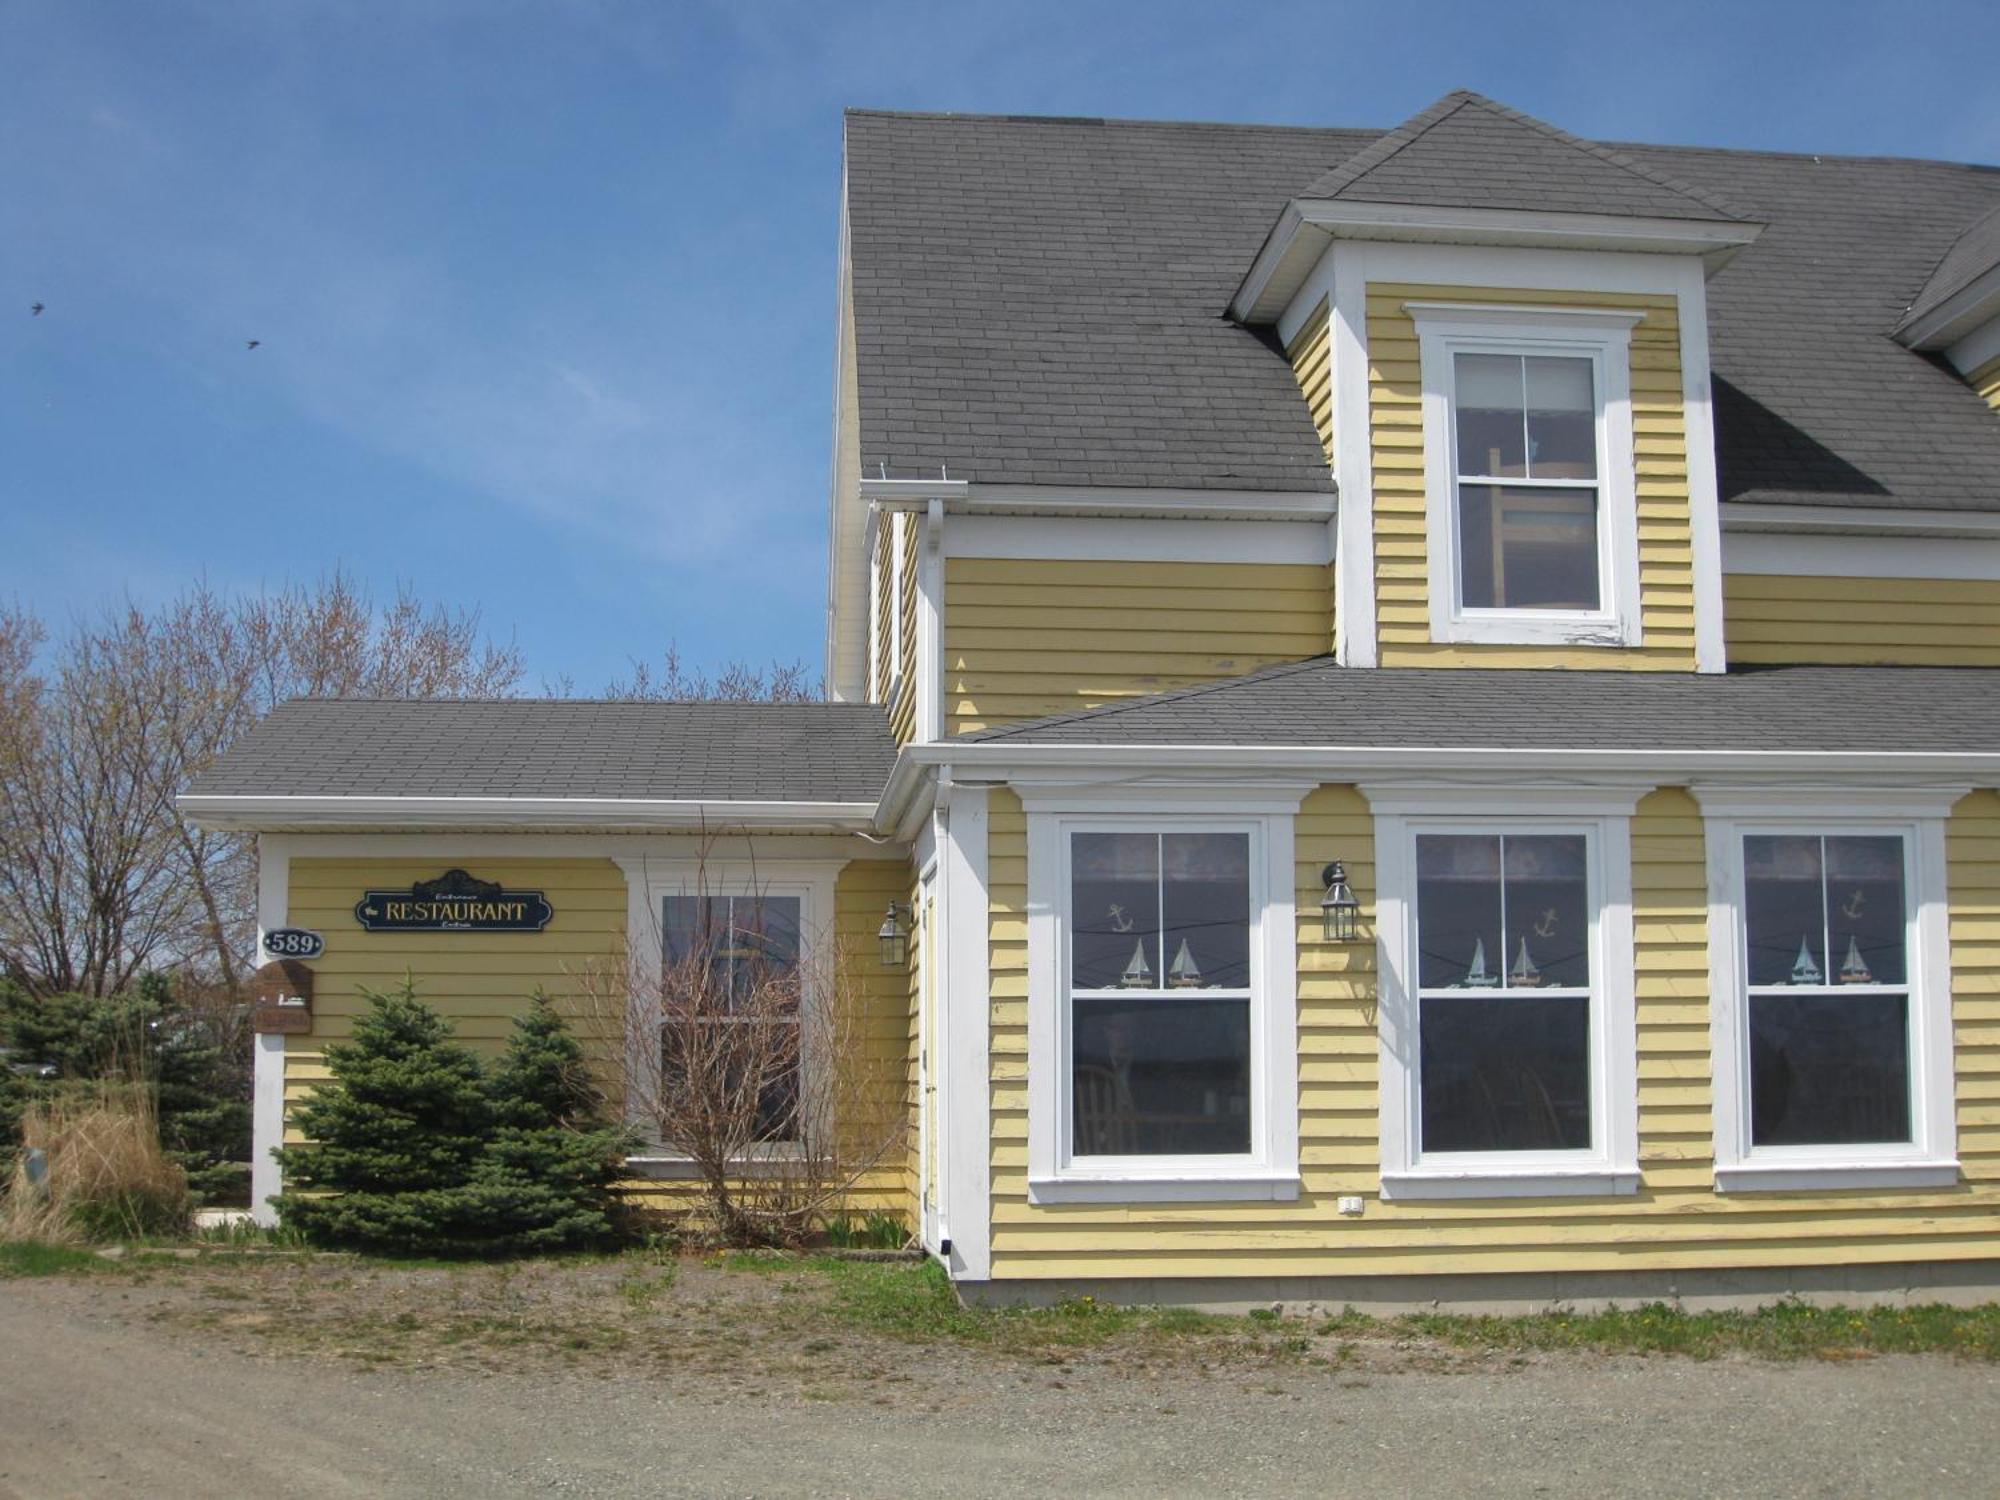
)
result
[(1505, 1073), (1476, 931), (1865, 910), (1115, 911), (1458, 912), (1206, 930), (746, 941), (1527, 548), (1492, 435), (1784, 909), (1829, 1069), (1562, 417), (1548, 912), (1160, 1077)]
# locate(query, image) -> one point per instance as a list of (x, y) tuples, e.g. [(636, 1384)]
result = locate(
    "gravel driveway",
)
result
[(98, 1397)]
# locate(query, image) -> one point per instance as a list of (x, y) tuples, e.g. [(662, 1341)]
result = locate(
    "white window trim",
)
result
[(1603, 815), (1270, 1170), (1930, 1158), (1604, 336), (648, 882)]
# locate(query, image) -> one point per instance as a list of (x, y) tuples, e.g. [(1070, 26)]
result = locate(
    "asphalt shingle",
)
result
[(1041, 301), (546, 747)]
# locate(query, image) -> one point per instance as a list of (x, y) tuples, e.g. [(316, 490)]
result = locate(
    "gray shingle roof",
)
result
[(1971, 256), (1317, 703), (544, 747), (1466, 151), (1041, 302)]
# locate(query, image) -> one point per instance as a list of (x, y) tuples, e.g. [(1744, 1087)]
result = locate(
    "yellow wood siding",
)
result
[(1312, 364), (1666, 554), (1856, 621), (1028, 638), (903, 710), (477, 981), (885, 611), (1986, 381), (1675, 1221)]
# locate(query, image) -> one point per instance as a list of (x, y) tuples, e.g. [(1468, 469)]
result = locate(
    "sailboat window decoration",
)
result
[(1853, 968), (1806, 970), (1183, 973), (1138, 973)]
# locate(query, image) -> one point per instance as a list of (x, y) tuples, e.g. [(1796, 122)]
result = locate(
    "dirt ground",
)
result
[(679, 1378)]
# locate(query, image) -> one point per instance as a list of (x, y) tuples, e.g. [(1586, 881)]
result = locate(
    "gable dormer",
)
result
[(1515, 347), (1957, 314)]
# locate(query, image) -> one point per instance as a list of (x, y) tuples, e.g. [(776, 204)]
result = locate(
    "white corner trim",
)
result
[(1138, 539), (965, 1101), (1929, 1158), (267, 1087), (1611, 1165), (1711, 650), (1354, 615), (1443, 331)]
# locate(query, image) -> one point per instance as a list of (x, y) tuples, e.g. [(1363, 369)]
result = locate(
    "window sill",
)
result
[(1533, 630), (1177, 1187), (1806, 1177), (1590, 1182)]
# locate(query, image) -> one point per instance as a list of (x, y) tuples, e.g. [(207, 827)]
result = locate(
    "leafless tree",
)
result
[(738, 682), (742, 1054), (99, 876)]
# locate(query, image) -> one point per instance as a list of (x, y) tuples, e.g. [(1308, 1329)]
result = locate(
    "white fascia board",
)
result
[(1857, 520), (1108, 501), (1196, 764), (1952, 319), (1815, 555), (246, 814), (1139, 539), (1300, 235), (1978, 347)]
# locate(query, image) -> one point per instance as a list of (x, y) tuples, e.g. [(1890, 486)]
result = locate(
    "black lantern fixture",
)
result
[(1339, 912), (894, 937)]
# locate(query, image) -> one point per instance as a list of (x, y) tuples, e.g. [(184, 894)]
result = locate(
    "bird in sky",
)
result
[(36, 309), (251, 343)]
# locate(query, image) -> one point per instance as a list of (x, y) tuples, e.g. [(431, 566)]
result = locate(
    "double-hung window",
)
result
[(1529, 474), (1162, 1060), (734, 959), (1508, 1029), (1832, 1014)]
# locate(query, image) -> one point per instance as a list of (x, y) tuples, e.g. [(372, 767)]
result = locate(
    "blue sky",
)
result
[(546, 291)]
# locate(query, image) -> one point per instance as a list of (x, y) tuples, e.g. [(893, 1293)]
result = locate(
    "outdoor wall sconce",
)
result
[(1339, 912), (894, 937)]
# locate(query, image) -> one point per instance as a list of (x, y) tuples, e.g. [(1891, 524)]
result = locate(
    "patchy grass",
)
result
[(37, 1258)]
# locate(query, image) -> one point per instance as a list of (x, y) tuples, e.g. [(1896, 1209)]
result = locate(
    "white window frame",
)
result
[(1603, 817), (1930, 1157), (1269, 1171), (1604, 337), (648, 883)]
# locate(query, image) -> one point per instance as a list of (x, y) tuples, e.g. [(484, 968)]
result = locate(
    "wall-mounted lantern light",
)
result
[(894, 937), (1339, 912)]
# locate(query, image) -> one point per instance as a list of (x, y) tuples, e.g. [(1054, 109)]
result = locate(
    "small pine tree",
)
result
[(416, 1149)]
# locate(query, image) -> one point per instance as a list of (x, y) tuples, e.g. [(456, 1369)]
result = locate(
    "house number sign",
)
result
[(454, 902)]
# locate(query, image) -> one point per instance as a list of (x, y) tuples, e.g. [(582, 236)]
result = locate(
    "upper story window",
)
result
[(1529, 479)]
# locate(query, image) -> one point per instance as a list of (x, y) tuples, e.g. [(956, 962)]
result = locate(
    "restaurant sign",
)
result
[(454, 902)]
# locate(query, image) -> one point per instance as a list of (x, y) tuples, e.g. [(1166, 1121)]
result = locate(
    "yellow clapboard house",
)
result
[(1413, 716)]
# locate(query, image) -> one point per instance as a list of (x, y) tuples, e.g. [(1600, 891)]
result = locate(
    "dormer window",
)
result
[(1529, 474)]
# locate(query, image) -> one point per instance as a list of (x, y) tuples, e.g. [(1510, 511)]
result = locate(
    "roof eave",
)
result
[(1940, 326), (1308, 225), (228, 813)]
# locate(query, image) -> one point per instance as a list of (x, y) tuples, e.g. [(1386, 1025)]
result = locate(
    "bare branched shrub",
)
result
[(102, 1174), (743, 1056)]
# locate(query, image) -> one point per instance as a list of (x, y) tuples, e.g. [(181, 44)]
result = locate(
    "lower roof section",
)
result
[(549, 762), (1319, 704)]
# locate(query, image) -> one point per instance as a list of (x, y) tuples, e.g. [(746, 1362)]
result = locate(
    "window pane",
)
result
[(1527, 548), (1562, 418), (1548, 911), (1207, 916), (1783, 915), (1489, 400), (1505, 1073), (763, 943), (1829, 1069), (1115, 910), (1458, 911), (689, 925), (1865, 908), (1161, 1077)]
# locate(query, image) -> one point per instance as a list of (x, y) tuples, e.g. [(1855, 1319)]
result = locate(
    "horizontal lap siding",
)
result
[(1312, 366), (478, 981), (1931, 622), (1676, 1221), (903, 710), (1025, 638), (1659, 435)]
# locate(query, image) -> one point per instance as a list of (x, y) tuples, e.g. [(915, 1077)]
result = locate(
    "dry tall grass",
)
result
[(107, 1178)]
